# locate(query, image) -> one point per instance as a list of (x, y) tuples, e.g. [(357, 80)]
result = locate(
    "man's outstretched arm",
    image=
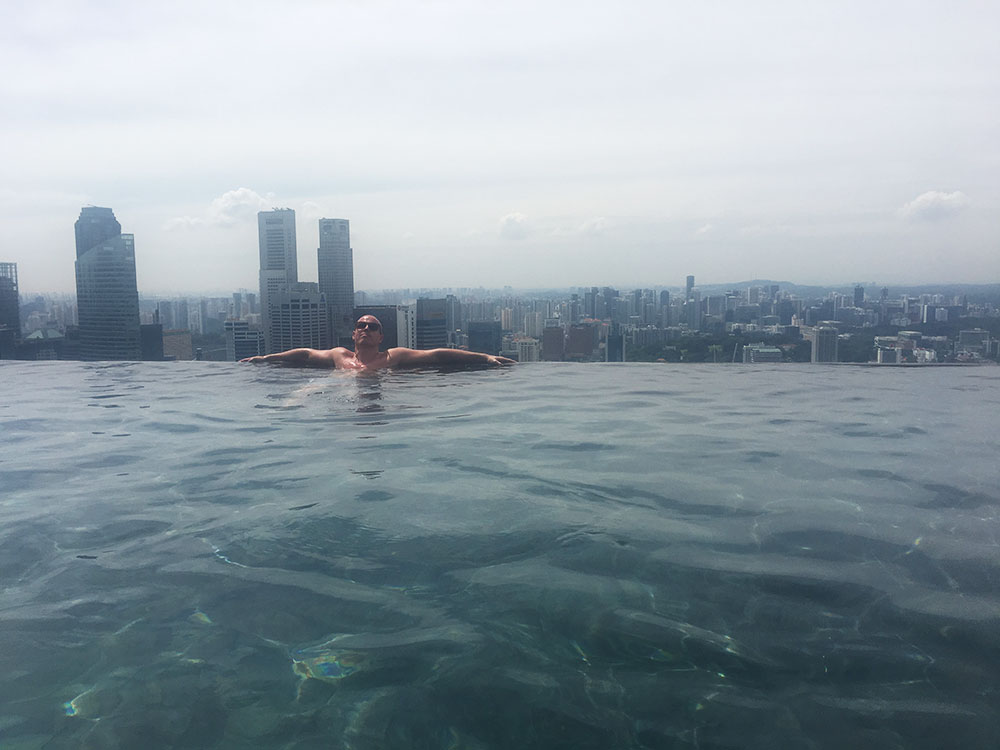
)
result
[(299, 357), (403, 357)]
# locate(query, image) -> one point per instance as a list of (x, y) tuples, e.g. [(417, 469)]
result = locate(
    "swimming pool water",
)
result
[(547, 556)]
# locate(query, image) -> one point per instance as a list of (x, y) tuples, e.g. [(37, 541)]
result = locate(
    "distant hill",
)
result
[(974, 292)]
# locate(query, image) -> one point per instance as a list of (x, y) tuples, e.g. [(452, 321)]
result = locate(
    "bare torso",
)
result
[(344, 359)]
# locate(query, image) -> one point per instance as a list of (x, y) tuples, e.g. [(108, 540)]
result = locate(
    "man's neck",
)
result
[(366, 354)]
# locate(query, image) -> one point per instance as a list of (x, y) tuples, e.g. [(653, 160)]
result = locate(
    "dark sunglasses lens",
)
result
[(366, 325)]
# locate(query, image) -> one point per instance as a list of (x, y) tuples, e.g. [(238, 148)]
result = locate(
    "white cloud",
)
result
[(514, 227), (238, 205), (231, 208), (312, 210), (934, 205), (705, 229)]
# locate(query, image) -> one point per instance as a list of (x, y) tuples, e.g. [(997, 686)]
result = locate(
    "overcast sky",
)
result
[(524, 143)]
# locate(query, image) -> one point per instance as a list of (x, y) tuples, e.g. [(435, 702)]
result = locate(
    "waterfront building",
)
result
[(106, 292), (887, 355), (335, 262), (278, 266), (760, 353), (824, 344), (975, 341)]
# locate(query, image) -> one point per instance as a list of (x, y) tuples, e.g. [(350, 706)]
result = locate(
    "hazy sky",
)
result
[(522, 143)]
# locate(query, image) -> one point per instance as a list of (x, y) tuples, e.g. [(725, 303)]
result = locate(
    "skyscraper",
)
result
[(106, 295), (432, 323), (94, 226), (293, 313), (299, 318), (335, 261), (10, 310), (279, 267), (824, 344), (242, 340), (393, 325), (689, 286), (485, 336)]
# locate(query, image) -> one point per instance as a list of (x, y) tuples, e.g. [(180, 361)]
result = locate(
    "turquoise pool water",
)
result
[(548, 556)]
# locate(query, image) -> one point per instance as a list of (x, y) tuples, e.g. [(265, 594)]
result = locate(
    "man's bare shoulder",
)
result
[(401, 355), (336, 354)]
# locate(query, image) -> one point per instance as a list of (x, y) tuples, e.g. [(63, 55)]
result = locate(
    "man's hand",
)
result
[(500, 361)]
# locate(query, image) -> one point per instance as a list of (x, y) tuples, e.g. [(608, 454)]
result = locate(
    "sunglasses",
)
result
[(367, 325)]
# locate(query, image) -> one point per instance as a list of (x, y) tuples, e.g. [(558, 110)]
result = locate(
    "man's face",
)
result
[(368, 330)]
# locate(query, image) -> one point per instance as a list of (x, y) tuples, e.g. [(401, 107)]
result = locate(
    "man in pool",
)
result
[(367, 355)]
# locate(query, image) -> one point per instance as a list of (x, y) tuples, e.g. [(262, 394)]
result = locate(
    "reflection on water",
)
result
[(216, 556)]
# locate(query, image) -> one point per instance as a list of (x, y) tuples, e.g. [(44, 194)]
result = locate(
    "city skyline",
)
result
[(108, 321), (522, 145)]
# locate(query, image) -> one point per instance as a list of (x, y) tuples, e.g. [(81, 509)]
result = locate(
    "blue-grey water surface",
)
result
[(210, 555)]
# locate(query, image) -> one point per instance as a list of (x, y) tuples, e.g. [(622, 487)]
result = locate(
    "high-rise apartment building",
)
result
[(824, 344), (406, 325), (106, 294), (279, 267), (692, 310), (335, 261)]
